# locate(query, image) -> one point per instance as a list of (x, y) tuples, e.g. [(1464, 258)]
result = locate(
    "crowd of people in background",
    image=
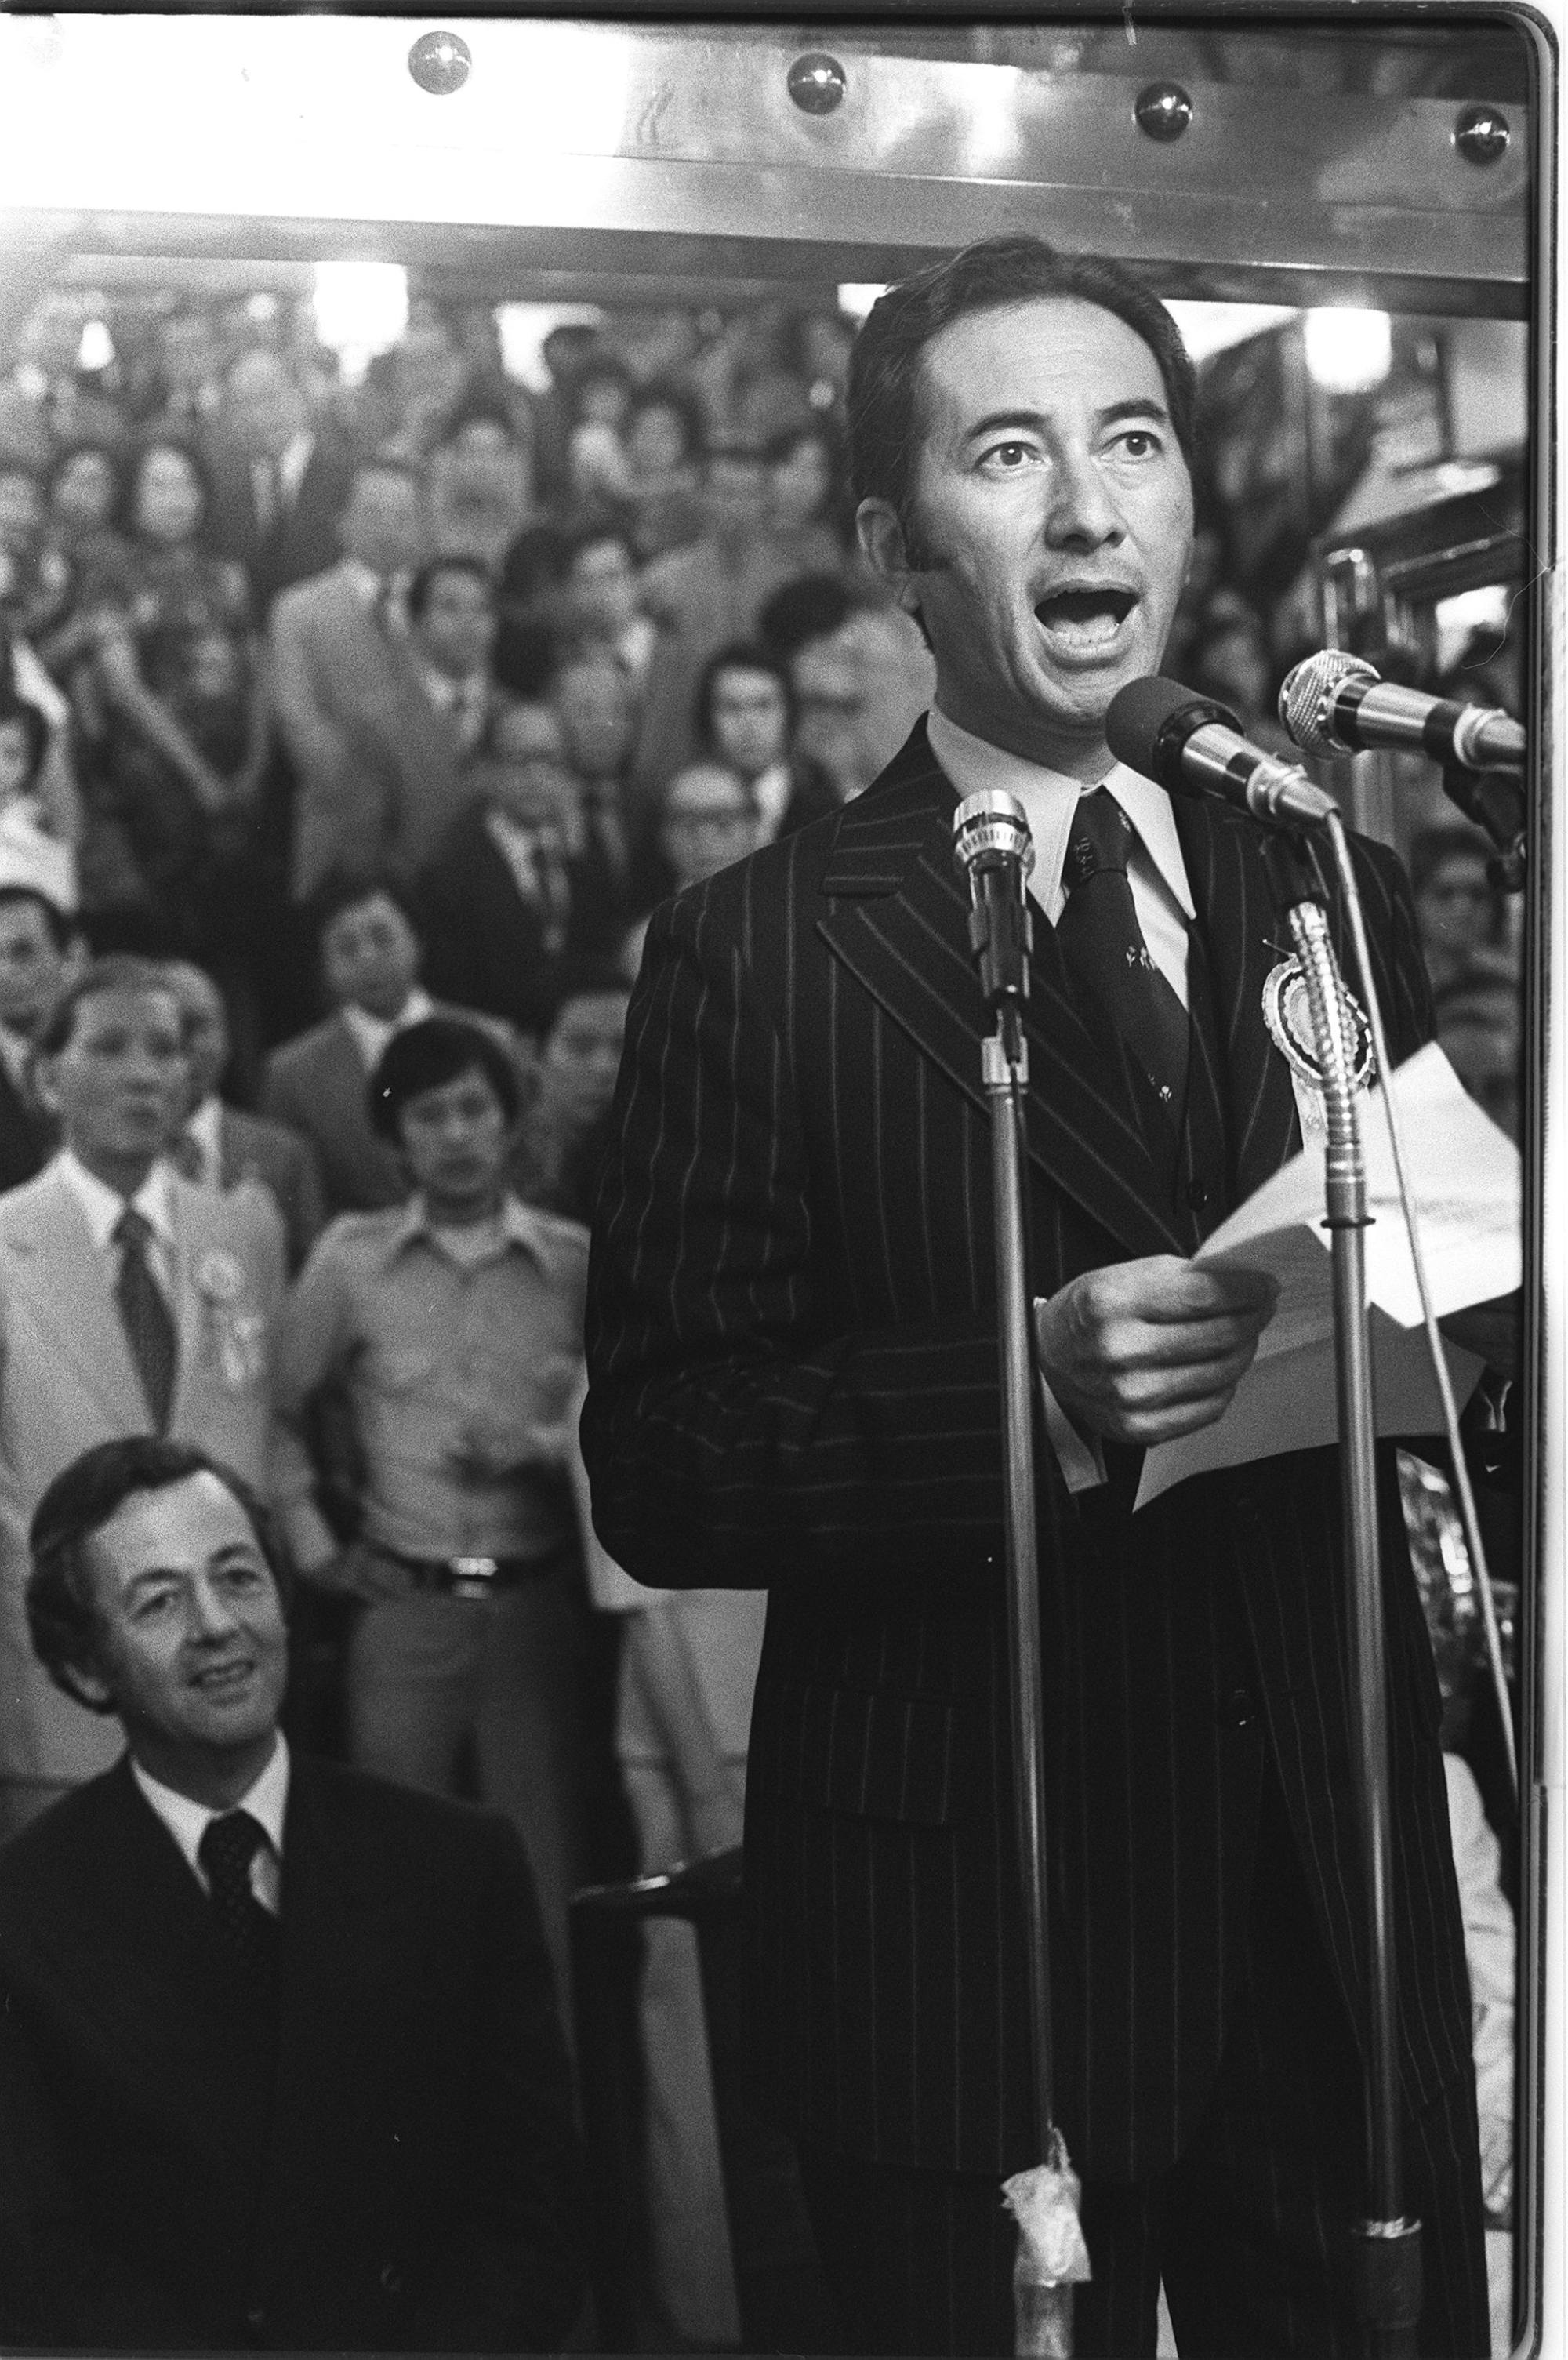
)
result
[(348, 736)]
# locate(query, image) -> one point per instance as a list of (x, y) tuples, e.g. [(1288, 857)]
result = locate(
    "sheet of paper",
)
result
[(1464, 1176)]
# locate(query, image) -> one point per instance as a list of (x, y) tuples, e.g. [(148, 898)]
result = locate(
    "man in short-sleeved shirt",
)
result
[(454, 1326)]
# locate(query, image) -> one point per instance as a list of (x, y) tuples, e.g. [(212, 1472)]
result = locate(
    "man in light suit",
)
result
[(280, 2066), (129, 1303), (376, 761), (792, 1346)]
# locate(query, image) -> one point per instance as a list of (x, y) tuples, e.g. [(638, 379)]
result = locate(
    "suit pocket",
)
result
[(876, 1757)]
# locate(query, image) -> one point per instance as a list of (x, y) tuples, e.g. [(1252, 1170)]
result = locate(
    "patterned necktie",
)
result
[(1103, 944), (228, 1846), (145, 1317)]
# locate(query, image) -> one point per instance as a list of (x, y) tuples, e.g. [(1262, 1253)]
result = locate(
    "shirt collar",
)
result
[(102, 1206), (205, 1128), (293, 460), (520, 1226), (266, 1799), (1049, 799), (371, 1033), (771, 790)]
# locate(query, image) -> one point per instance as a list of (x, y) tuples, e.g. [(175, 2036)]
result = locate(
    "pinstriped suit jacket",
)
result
[(793, 1360)]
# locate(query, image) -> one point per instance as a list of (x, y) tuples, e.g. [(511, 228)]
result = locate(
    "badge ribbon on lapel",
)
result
[(1287, 1011)]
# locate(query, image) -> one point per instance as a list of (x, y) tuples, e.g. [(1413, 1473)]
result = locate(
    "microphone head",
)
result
[(1150, 721), (992, 823), (1306, 698)]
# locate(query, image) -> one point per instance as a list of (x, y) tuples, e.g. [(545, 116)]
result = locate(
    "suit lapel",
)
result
[(71, 1288), (1245, 937), (138, 1937), (898, 920)]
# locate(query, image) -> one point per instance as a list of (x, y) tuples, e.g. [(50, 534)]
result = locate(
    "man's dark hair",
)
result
[(740, 655), (15, 707), (115, 971), (426, 1056), (344, 890), (661, 394), (812, 607), (736, 451), (480, 408), (62, 925), (62, 1615), (593, 534), (599, 368), (883, 398), (430, 572), (582, 978)]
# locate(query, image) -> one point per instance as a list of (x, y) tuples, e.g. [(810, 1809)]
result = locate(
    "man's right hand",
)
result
[(1144, 1351)]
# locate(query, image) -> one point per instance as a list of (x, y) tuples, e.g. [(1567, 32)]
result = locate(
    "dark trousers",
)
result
[(1248, 2230)]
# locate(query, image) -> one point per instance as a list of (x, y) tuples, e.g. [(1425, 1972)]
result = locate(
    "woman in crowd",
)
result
[(664, 439), (177, 739)]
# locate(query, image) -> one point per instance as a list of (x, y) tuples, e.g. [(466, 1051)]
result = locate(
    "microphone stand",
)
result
[(1387, 2246), (1043, 2199)]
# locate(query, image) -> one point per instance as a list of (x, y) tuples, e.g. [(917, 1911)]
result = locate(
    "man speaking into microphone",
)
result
[(794, 1383)]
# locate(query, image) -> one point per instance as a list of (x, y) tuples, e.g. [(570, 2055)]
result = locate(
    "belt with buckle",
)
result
[(475, 1576)]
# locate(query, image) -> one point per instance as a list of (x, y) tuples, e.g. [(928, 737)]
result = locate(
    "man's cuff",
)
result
[(1082, 1463)]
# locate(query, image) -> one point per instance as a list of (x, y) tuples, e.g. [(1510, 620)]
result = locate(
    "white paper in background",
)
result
[(1465, 1178)]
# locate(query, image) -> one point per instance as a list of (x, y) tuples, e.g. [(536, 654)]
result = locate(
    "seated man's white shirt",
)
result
[(266, 1800), (1162, 896)]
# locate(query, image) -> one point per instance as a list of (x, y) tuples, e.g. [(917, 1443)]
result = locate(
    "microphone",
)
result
[(1336, 703), (1192, 747), (993, 847)]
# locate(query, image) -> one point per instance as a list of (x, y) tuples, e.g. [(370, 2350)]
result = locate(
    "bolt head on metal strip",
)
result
[(1162, 112), (817, 82), (440, 63), (1482, 135)]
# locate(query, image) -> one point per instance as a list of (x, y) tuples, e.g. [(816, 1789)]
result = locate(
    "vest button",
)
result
[(1197, 1194), (1236, 1711), (255, 2318)]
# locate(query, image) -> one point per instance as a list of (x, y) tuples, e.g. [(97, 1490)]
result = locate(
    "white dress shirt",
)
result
[(266, 1799), (1162, 895), (1161, 898), (371, 1033), (102, 1206)]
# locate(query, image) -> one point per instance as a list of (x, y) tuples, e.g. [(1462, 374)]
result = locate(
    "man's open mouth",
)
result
[(220, 1679), (1085, 614)]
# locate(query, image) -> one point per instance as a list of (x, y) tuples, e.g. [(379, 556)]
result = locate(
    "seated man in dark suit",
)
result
[(280, 2065)]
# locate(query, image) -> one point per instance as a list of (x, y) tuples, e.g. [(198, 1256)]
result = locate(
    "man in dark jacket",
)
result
[(280, 2066), (792, 1348)]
